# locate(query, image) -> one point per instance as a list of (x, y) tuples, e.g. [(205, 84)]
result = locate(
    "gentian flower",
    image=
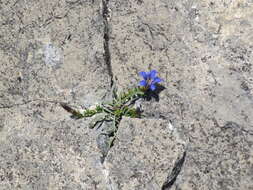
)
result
[(150, 80)]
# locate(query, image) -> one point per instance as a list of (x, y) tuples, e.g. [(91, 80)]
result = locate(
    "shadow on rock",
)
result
[(154, 94)]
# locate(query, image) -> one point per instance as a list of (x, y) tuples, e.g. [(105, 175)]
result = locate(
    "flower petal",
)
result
[(153, 74), (143, 74), (152, 87), (156, 80), (143, 83)]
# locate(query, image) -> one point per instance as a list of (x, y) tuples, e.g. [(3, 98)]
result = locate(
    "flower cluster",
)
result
[(122, 104), (150, 80)]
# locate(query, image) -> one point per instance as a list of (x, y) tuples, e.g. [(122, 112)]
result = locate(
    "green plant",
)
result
[(121, 105)]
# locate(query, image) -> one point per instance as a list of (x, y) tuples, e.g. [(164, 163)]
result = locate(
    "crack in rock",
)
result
[(4, 106), (107, 54), (171, 179)]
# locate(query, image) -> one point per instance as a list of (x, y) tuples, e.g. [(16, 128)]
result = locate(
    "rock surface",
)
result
[(51, 51), (41, 148), (204, 51), (73, 51), (144, 155)]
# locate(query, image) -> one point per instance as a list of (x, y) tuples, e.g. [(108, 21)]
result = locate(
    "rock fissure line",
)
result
[(171, 179), (29, 101), (107, 54)]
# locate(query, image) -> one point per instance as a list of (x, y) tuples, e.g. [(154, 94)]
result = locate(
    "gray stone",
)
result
[(70, 50), (204, 51), (144, 154), (42, 148), (51, 51), (97, 119)]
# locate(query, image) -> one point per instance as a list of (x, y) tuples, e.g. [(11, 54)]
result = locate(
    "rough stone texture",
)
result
[(41, 148), (144, 154), (66, 50), (51, 51), (204, 51)]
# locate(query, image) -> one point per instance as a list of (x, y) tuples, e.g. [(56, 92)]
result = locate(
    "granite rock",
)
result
[(144, 155), (203, 50), (74, 51), (42, 148), (51, 52)]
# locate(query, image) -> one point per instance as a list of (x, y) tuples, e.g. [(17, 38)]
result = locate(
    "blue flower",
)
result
[(150, 80)]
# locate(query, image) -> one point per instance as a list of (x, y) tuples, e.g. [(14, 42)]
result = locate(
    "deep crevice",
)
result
[(171, 179), (107, 54)]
